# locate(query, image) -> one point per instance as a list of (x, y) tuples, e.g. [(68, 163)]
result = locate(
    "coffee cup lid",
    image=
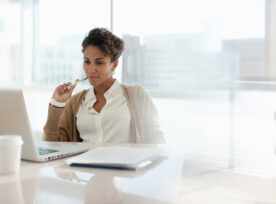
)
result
[(6, 140)]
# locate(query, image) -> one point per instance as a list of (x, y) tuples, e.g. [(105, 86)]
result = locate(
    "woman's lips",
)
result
[(93, 77)]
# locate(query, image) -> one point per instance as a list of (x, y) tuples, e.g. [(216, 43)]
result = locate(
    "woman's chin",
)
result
[(93, 82)]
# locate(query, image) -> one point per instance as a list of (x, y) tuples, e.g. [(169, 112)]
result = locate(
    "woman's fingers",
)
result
[(64, 91), (73, 86), (64, 87)]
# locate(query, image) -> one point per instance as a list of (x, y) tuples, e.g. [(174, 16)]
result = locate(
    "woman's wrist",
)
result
[(57, 104)]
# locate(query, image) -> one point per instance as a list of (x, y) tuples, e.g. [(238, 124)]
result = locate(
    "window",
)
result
[(10, 42), (60, 35), (181, 45)]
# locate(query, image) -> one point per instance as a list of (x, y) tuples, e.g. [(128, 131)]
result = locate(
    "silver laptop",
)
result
[(14, 119)]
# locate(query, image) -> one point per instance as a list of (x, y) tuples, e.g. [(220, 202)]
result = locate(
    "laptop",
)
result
[(14, 119)]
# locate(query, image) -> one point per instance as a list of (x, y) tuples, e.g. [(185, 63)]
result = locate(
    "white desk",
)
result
[(176, 179)]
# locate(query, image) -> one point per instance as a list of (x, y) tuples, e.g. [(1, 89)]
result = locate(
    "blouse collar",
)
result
[(114, 90)]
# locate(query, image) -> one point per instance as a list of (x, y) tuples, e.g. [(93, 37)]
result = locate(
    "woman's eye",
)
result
[(99, 63), (86, 62)]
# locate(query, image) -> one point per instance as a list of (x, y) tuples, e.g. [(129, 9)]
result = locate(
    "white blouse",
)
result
[(112, 124)]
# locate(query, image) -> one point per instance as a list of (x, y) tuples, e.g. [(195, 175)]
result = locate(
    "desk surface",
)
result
[(177, 178)]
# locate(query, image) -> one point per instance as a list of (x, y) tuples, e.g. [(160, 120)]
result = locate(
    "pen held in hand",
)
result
[(76, 82)]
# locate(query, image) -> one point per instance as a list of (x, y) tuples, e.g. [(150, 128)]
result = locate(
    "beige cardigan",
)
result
[(61, 122)]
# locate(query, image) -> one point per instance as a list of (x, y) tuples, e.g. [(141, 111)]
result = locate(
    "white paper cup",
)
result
[(10, 153)]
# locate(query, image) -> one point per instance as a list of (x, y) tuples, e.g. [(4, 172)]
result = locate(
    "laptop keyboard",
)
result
[(43, 151)]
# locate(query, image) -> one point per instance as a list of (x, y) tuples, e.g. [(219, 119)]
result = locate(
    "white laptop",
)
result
[(14, 120)]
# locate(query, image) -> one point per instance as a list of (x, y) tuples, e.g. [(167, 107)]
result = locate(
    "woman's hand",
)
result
[(63, 92)]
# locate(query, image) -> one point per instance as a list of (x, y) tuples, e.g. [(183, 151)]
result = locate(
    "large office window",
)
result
[(61, 27), (181, 45), (41, 40), (170, 45), (10, 42), (208, 66)]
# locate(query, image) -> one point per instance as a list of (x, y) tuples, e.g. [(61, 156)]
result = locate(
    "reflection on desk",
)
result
[(176, 178), (105, 185)]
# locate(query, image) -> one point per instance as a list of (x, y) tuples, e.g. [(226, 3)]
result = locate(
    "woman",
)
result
[(108, 112)]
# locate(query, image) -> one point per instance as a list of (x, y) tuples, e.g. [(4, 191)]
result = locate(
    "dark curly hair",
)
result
[(110, 44)]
